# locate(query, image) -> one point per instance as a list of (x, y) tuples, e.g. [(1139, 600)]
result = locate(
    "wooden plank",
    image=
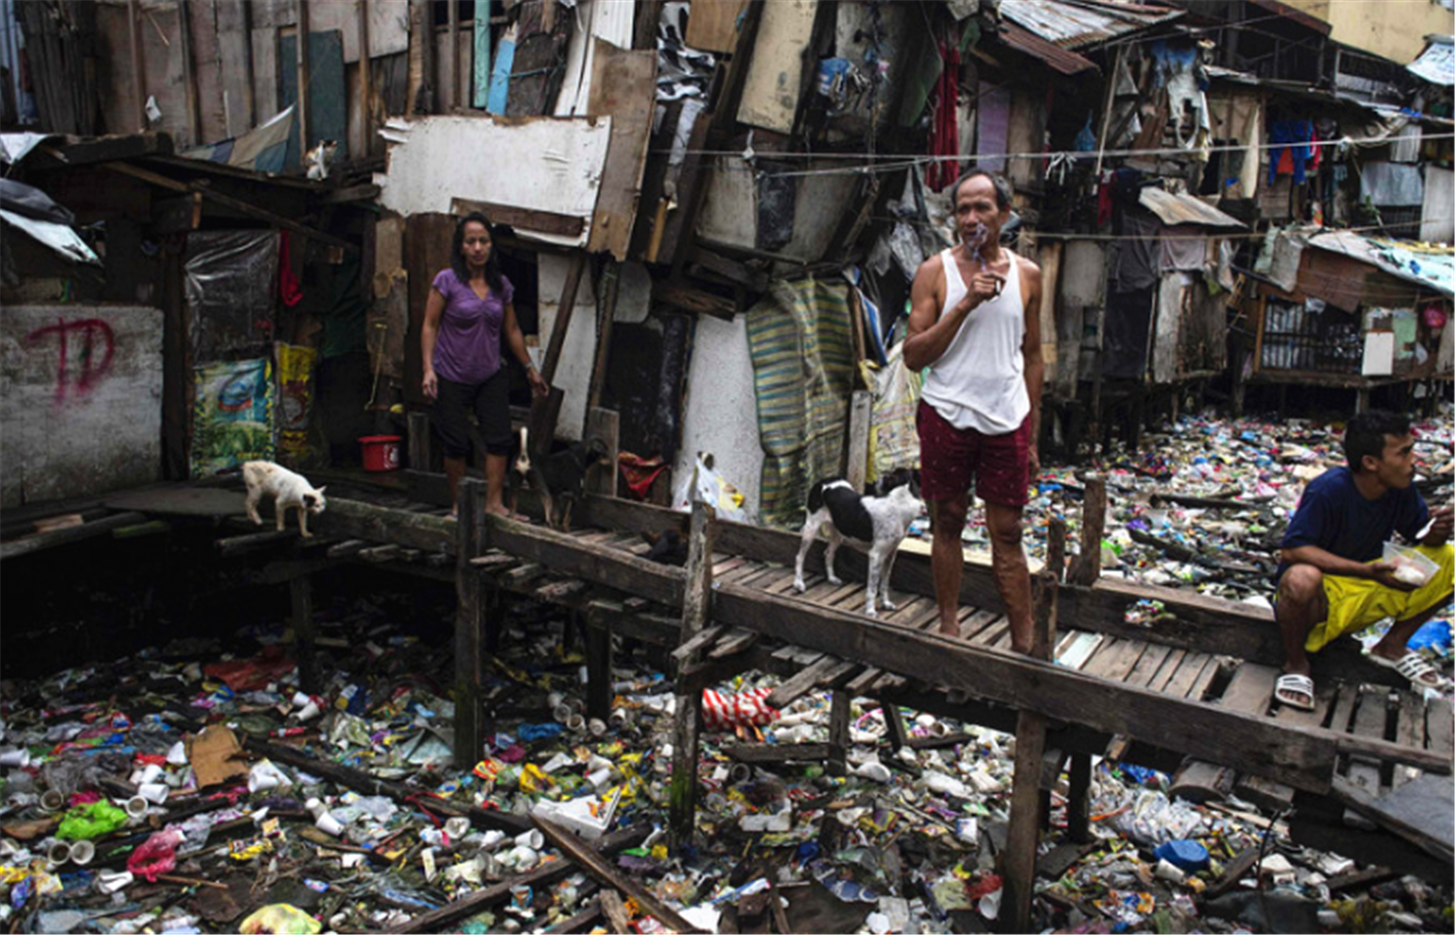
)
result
[(1188, 673), (823, 672), (441, 919), (1421, 811), (1409, 730), (1148, 664), (837, 764), (1165, 672), (778, 752), (735, 642), (623, 86), (576, 850), (713, 25), (543, 222), (380, 553), (771, 91), (1115, 661), (861, 405), (47, 540), (1370, 720), (614, 909), (354, 519)]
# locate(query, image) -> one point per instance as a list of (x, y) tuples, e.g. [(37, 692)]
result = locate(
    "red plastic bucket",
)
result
[(381, 452)]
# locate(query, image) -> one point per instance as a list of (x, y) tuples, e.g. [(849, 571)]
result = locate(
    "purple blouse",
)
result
[(467, 349)]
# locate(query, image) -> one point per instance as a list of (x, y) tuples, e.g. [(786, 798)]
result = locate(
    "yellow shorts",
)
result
[(1356, 603)]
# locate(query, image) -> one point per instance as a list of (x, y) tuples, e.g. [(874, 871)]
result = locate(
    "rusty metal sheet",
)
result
[(1184, 209), (1075, 24), (1023, 40)]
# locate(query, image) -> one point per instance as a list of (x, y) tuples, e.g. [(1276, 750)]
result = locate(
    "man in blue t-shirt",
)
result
[(1332, 579)]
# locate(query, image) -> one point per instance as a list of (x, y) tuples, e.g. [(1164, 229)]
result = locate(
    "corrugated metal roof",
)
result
[(1023, 40), (1075, 24), (1184, 209)]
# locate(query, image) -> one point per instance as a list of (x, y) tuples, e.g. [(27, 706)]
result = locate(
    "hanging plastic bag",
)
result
[(706, 484), (893, 438)]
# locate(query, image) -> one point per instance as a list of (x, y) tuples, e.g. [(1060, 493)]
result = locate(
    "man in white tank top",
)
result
[(975, 322)]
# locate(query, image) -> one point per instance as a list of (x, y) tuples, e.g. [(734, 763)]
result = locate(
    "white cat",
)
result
[(288, 490)]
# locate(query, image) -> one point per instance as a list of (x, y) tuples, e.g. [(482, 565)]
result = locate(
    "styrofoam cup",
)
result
[(136, 806), (15, 759), (457, 827), (148, 773), (309, 711), (575, 723), (52, 800), (329, 825), (532, 839), (314, 807), (154, 792), (524, 858), (59, 852), (82, 852), (493, 838), (596, 726)]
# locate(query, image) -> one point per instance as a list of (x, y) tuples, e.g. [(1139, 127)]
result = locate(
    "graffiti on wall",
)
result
[(93, 345)]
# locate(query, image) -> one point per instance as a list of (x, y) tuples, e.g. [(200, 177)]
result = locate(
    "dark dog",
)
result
[(899, 477), (564, 475), (667, 549)]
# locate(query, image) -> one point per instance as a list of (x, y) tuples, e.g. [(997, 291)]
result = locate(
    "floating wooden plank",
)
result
[(441, 919), (48, 540), (576, 850), (778, 753), (1422, 811), (824, 672), (380, 553)]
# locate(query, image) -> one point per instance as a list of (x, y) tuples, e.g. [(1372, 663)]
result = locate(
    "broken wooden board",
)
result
[(623, 87), (771, 91), (1422, 811)]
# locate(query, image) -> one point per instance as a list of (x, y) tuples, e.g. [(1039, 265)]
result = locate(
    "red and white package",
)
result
[(722, 711)]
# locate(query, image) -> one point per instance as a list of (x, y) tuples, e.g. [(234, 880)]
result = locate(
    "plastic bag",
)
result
[(91, 821), (280, 919), (725, 711), (893, 438), (157, 855), (706, 484)]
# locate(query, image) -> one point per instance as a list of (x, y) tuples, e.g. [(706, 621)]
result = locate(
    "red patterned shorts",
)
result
[(952, 459)]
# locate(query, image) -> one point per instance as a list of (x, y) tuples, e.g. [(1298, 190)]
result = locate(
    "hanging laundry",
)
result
[(1289, 150), (944, 132)]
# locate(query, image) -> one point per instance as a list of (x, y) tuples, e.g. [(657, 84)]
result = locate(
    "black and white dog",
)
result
[(876, 523)]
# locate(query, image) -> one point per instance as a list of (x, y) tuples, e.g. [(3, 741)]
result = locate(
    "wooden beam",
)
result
[(352, 519), (609, 291), (1030, 748), (370, 784), (138, 63), (469, 626), (252, 542), (531, 219), (563, 315), (301, 13), (604, 424), (305, 631), (46, 540), (861, 411), (189, 72), (453, 32), (693, 300), (696, 609), (442, 919), (614, 909), (366, 81), (228, 201), (576, 850)]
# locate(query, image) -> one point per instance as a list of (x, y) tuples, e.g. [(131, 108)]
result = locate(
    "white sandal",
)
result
[(1413, 667), (1295, 684)]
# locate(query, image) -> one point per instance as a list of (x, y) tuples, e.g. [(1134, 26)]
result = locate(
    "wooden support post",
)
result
[(1078, 799), (1056, 547), (696, 609), (563, 316), (839, 732), (610, 289), (1093, 526), (419, 441), (861, 408), (189, 71), (138, 63), (301, 6), (1030, 749), (366, 82), (598, 664), (1106, 108), (469, 623), (894, 725), (300, 590), (604, 424), (452, 99)]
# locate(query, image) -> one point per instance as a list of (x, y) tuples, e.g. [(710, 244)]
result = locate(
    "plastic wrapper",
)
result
[(280, 919), (724, 711), (230, 278), (706, 484), (157, 855), (91, 821)]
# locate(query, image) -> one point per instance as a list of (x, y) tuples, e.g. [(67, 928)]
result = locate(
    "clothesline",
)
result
[(900, 161)]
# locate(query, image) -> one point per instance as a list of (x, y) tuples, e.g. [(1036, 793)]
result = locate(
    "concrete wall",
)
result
[(1395, 29), (722, 409), (80, 400)]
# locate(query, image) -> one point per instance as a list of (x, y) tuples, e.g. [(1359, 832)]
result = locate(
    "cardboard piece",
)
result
[(216, 756)]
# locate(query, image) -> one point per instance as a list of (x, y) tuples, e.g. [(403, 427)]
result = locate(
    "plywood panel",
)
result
[(596, 19), (578, 355), (771, 90), (388, 24), (1167, 326), (80, 398), (713, 24), (265, 72), (623, 86), (544, 164)]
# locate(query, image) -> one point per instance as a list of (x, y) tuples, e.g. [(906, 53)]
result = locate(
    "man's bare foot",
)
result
[(502, 511)]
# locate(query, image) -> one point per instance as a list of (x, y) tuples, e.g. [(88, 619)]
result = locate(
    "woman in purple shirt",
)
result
[(470, 309)]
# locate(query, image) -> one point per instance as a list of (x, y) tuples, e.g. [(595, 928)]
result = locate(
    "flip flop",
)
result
[(1297, 685), (1413, 667)]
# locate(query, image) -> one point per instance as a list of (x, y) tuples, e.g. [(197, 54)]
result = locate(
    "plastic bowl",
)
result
[(1410, 566)]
